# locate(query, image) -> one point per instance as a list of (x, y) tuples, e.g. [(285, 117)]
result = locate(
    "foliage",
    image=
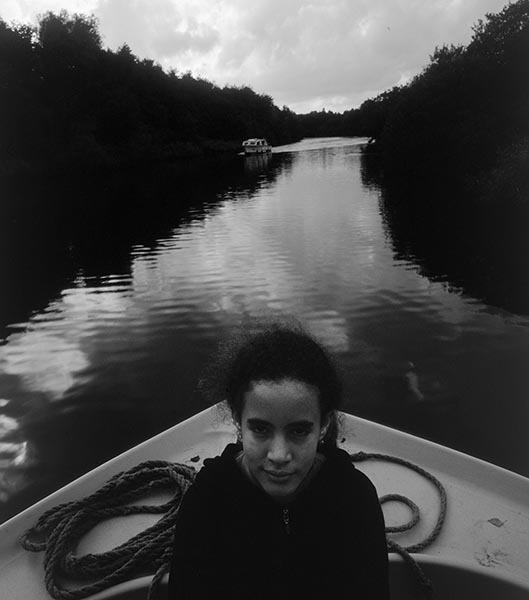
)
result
[(454, 144), (69, 103), (466, 110)]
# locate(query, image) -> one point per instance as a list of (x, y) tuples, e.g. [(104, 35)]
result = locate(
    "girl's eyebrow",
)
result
[(257, 422), (303, 423), (307, 424)]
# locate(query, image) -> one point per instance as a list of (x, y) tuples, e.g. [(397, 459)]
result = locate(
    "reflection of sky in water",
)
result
[(49, 353), (14, 455), (46, 362), (243, 258), (295, 247), (47, 358), (256, 257), (310, 243), (299, 246)]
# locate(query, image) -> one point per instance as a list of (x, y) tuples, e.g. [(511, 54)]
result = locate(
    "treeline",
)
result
[(467, 114), (66, 101), (464, 117), (454, 173), (354, 122)]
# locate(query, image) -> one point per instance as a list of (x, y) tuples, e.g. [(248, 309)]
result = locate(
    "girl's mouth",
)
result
[(278, 475)]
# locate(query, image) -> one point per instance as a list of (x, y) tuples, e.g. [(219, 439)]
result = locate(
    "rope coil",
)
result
[(393, 546), (58, 530)]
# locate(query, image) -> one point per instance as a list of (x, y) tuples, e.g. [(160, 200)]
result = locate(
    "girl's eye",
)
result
[(300, 433), (258, 429)]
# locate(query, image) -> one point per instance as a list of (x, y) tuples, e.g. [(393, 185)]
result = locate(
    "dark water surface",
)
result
[(115, 292)]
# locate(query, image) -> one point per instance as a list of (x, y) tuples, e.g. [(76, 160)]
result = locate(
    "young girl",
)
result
[(282, 513)]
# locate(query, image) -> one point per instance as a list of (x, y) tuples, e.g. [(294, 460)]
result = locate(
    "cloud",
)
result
[(163, 30), (305, 54)]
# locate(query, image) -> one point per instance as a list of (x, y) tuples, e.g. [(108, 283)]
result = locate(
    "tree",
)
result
[(465, 108)]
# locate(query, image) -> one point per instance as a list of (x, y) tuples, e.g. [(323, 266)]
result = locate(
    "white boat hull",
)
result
[(251, 151), (256, 146), (483, 546)]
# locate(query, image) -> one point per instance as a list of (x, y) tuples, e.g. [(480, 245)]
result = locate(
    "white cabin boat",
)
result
[(256, 146), (481, 552)]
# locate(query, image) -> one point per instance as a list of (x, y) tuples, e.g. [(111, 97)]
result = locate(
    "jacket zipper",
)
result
[(286, 520)]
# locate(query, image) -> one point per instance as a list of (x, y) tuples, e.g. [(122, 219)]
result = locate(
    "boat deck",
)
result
[(485, 536)]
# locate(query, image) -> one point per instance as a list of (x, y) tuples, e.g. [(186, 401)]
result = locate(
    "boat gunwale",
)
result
[(479, 466), (478, 474), (208, 431)]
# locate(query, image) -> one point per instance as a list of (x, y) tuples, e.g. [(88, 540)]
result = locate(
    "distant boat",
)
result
[(256, 146), (481, 551)]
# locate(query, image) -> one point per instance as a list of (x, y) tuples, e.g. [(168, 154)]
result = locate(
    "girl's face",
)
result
[(280, 426)]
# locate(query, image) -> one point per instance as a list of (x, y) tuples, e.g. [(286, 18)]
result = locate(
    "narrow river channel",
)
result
[(106, 348)]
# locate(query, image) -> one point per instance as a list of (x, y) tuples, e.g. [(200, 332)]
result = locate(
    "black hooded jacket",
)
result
[(234, 541)]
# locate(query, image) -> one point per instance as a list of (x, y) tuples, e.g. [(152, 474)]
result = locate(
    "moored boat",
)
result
[(256, 146), (482, 550)]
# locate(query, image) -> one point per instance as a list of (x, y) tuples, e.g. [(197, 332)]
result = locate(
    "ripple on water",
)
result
[(307, 239)]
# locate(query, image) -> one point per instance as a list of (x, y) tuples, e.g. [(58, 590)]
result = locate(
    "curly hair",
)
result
[(274, 352)]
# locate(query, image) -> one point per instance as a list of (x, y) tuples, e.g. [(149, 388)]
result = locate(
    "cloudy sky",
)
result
[(306, 54)]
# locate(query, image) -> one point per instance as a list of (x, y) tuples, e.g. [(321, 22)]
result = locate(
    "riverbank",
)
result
[(466, 234), (94, 161), (68, 103), (465, 118)]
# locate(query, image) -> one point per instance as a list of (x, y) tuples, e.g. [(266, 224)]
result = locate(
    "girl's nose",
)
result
[(279, 451)]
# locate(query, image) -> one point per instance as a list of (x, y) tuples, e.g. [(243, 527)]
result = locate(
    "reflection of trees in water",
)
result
[(65, 234), (257, 162), (54, 229), (481, 250)]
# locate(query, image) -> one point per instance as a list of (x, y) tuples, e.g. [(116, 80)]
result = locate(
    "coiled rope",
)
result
[(58, 530), (393, 546)]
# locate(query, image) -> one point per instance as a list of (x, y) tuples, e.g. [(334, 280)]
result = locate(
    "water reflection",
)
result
[(45, 362), (257, 162), (481, 251), (157, 269), (14, 454), (55, 230)]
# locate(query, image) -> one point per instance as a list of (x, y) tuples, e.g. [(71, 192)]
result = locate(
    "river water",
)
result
[(121, 290)]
